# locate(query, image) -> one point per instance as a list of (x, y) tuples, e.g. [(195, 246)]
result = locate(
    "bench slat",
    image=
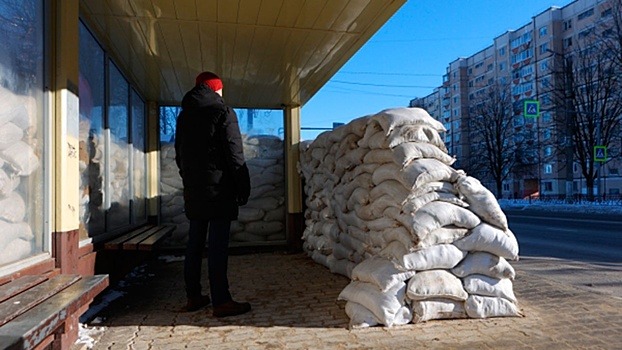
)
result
[(20, 303), (132, 244), (19, 285), (150, 242), (117, 243), (33, 326)]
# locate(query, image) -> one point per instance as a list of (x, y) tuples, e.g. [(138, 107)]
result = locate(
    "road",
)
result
[(580, 251)]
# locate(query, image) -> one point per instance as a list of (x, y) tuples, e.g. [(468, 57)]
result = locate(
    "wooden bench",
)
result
[(144, 238), (41, 311)]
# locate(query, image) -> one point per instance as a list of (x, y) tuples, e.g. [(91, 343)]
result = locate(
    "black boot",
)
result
[(231, 308)]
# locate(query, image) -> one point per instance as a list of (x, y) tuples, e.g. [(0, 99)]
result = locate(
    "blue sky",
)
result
[(409, 54)]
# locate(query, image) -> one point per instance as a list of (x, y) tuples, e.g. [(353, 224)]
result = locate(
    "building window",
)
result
[(501, 66), (546, 134), (546, 117), (547, 186), (543, 31), (502, 51), (567, 42), (613, 171), (606, 13), (506, 187), (548, 151), (23, 141), (544, 65), (544, 48), (585, 14), (567, 24)]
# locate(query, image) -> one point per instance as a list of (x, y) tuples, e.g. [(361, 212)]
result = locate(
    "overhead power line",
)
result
[(382, 85), (396, 74)]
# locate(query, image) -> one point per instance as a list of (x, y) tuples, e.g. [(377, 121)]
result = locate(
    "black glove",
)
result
[(243, 184)]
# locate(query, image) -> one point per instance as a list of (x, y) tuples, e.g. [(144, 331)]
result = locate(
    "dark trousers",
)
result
[(217, 259)]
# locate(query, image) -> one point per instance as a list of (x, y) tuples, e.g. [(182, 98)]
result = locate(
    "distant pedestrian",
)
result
[(216, 181)]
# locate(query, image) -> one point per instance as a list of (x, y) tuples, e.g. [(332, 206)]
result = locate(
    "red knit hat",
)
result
[(210, 79)]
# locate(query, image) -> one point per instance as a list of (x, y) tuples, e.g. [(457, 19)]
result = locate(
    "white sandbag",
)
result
[(395, 117), (392, 188), (350, 159), (370, 131), (379, 156), (12, 207), (399, 234), (425, 310), (360, 317), (362, 181), (415, 133), (359, 197), (277, 214), (346, 145), (442, 256), (487, 238), (341, 252), (388, 307), (352, 243), (484, 264), (342, 267), (481, 201), (376, 208), (265, 203), (394, 251), (358, 126), (12, 231), (324, 260), (443, 235), (247, 214), (380, 224), (25, 114), (8, 101), (377, 141), (260, 191), (15, 250), (387, 172), (412, 204), (406, 152), (488, 286), (434, 284), (483, 307), (422, 171), (434, 186), (381, 272), (439, 214), (9, 134), (21, 157), (262, 162)]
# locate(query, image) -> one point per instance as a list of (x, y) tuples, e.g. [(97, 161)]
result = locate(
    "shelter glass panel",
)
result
[(139, 159), (118, 172), (92, 161), (22, 195), (262, 219)]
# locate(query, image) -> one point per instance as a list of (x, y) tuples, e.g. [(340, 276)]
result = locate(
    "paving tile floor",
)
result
[(295, 307)]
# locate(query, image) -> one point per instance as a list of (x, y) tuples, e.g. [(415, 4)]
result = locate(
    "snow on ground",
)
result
[(603, 207)]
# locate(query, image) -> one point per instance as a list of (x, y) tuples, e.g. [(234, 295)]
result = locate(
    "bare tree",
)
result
[(611, 32), (587, 93), (493, 135)]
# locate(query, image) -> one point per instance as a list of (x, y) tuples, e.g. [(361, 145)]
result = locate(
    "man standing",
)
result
[(216, 181)]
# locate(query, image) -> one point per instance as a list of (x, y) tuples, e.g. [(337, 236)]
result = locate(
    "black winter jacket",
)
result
[(210, 157)]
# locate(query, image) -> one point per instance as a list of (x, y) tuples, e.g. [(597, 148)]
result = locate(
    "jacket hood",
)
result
[(202, 96)]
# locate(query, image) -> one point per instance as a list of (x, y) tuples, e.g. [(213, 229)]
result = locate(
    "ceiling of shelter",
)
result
[(269, 53)]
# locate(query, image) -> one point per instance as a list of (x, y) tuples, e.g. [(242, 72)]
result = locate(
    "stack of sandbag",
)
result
[(419, 239), (262, 219), (171, 195), (19, 161)]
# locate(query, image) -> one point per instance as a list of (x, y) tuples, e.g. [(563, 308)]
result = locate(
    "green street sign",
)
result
[(531, 109), (600, 153)]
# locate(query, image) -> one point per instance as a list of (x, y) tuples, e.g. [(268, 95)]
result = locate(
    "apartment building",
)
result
[(529, 61)]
